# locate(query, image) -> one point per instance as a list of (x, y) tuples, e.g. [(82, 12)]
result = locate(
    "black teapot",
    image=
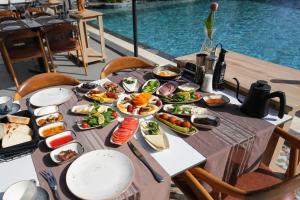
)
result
[(256, 104)]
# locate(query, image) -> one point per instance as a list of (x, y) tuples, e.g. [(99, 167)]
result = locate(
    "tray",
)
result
[(19, 150)]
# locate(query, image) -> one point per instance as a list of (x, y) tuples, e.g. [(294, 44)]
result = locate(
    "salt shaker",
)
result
[(207, 83)]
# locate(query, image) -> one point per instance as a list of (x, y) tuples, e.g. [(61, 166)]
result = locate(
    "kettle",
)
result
[(256, 104)]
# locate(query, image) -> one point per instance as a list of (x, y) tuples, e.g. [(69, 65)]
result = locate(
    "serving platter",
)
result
[(127, 133), (51, 96), (100, 174), (192, 129), (112, 87), (190, 109), (153, 104), (160, 136), (167, 88), (150, 89), (102, 96), (168, 99)]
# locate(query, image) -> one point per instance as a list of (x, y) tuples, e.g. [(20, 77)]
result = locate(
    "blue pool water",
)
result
[(266, 29)]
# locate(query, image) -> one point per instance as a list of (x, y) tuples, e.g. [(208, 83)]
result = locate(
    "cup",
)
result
[(6, 104)]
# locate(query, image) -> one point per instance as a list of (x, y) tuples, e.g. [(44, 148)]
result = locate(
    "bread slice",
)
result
[(3, 130), (14, 139), (16, 134), (18, 119)]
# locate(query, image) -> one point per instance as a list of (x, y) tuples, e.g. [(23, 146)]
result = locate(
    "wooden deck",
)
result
[(248, 69)]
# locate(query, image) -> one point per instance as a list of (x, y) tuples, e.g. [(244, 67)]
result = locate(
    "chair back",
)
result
[(23, 44), (34, 10), (41, 81), (62, 37), (126, 62)]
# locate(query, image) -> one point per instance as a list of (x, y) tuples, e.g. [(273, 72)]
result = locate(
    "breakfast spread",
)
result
[(182, 97), (52, 129), (112, 87), (151, 86), (183, 110), (102, 96), (66, 155), (130, 84), (125, 131), (47, 119), (13, 134), (167, 88), (177, 124), (139, 104), (154, 135)]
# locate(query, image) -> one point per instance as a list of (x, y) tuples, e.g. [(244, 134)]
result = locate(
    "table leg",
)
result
[(86, 35), (101, 33), (83, 42)]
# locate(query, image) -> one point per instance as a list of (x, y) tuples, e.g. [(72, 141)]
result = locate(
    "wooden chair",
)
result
[(20, 46), (261, 184), (7, 15), (63, 38), (127, 62), (43, 81)]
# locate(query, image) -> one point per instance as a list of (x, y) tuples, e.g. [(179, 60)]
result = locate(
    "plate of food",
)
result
[(176, 124), (189, 87), (50, 118), (154, 135), (167, 88), (102, 96), (66, 153), (182, 97), (167, 72), (205, 121), (112, 87), (151, 86), (216, 100), (85, 109), (87, 86), (123, 133), (130, 84), (45, 111), (183, 110), (97, 119), (139, 104)]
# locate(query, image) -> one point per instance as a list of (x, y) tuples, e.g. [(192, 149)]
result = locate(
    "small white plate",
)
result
[(188, 87), (100, 174), (60, 135), (45, 110), (74, 146), (51, 96)]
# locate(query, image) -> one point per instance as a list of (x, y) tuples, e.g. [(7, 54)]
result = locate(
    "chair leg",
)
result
[(12, 72), (44, 56)]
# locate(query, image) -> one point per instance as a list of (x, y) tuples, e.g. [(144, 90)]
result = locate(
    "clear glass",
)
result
[(208, 43)]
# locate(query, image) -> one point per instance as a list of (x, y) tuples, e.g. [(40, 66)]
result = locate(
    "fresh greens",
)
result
[(178, 109), (151, 86), (96, 119), (153, 128), (128, 81), (181, 97)]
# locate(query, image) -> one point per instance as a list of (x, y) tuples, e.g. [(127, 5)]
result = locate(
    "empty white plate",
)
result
[(100, 174), (51, 96)]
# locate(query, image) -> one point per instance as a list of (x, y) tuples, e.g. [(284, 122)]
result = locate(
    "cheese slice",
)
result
[(156, 140)]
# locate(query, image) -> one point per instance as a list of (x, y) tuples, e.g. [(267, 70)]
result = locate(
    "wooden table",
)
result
[(248, 70), (90, 55)]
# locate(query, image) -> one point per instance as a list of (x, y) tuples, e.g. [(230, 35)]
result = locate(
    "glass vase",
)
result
[(208, 43)]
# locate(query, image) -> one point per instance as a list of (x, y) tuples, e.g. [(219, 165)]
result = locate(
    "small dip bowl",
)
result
[(189, 87), (60, 139), (216, 100), (74, 146), (48, 119), (204, 121), (52, 129), (45, 110)]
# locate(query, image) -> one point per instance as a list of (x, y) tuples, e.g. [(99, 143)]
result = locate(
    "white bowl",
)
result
[(59, 135), (75, 146), (21, 190)]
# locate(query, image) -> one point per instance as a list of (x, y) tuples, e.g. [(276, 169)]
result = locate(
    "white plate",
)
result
[(10, 28), (51, 96), (100, 174)]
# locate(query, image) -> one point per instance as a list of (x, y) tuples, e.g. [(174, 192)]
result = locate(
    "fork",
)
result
[(78, 96), (49, 177)]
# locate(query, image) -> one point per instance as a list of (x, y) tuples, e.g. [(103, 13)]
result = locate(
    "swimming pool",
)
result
[(266, 29)]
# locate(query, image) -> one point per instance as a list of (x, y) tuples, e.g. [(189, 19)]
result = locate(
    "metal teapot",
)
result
[(256, 104)]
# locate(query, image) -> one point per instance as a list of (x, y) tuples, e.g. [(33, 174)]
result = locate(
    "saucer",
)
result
[(15, 108)]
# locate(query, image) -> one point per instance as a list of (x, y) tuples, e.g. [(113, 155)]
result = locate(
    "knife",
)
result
[(138, 154)]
